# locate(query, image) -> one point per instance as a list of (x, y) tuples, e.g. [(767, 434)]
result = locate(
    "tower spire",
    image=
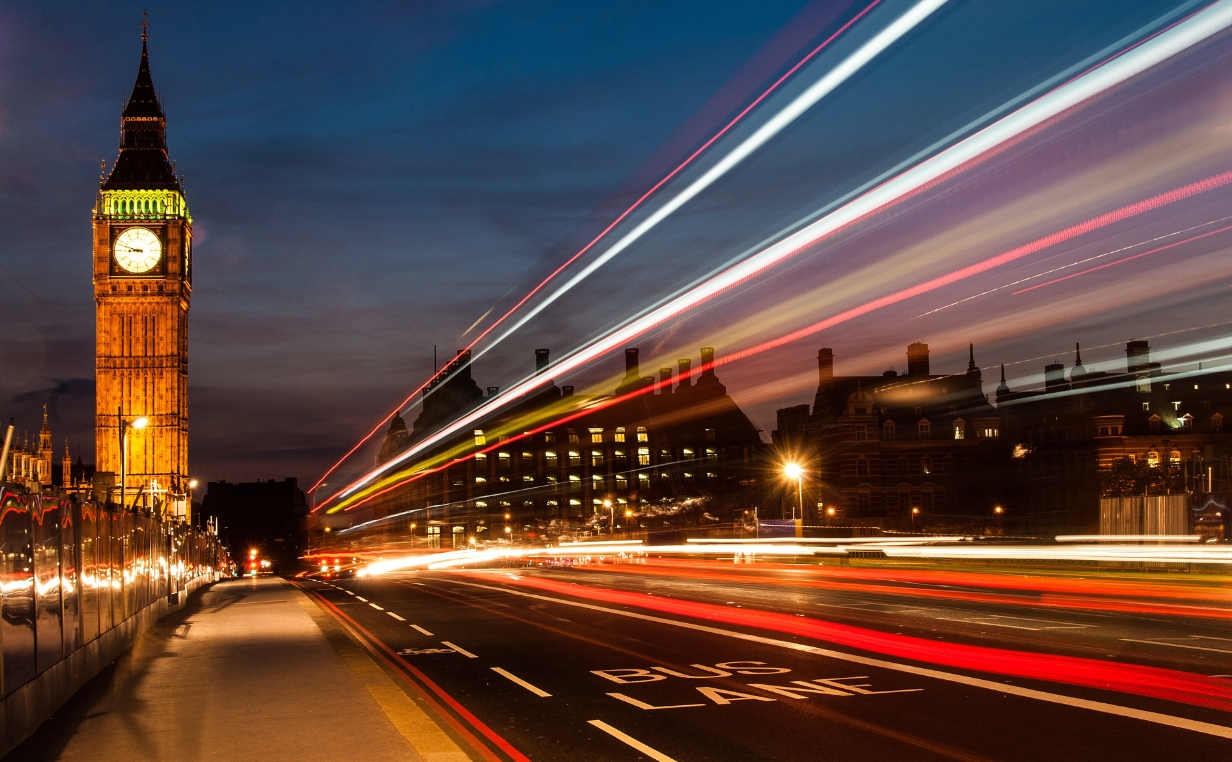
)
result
[(1078, 371), (143, 162), (1003, 389)]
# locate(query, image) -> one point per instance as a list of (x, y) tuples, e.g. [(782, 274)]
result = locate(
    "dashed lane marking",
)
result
[(378, 608), (360, 598), (460, 650), (395, 616), (654, 754), (537, 691), (425, 632)]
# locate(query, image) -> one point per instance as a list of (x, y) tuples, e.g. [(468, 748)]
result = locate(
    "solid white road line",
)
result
[(1184, 723), (425, 632), (395, 616), (378, 608), (1177, 645), (654, 754), (537, 691), (460, 650)]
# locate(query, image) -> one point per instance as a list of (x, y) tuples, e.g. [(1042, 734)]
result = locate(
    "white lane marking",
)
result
[(425, 632), (537, 691), (1178, 645), (378, 608), (395, 616), (1184, 723), (348, 592), (460, 650), (358, 598), (654, 754)]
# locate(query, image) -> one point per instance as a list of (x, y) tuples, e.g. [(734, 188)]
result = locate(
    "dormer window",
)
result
[(1216, 422), (1154, 424), (960, 429), (887, 431), (925, 429)]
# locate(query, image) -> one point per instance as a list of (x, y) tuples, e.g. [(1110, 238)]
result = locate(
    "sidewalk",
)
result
[(251, 669)]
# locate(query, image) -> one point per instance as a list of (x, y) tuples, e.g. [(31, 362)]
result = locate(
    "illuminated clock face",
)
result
[(137, 250)]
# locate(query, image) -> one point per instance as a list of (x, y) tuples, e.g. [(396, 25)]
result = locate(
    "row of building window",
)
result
[(924, 430), (902, 465), (596, 436), (504, 460)]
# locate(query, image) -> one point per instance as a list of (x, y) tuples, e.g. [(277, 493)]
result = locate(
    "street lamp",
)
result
[(998, 510), (137, 423), (795, 471), (914, 512), (611, 527)]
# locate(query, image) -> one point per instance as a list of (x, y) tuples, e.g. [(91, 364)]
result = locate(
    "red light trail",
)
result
[(666, 178), (1151, 682)]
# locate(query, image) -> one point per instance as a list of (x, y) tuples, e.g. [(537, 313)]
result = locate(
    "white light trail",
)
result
[(1195, 29), (803, 102)]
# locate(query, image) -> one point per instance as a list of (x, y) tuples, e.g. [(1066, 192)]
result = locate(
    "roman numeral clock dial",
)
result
[(137, 250)]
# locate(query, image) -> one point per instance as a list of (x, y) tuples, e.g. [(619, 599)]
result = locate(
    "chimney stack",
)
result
[(665, 378), (917, 359), (825, 366), (1054, 377), (684, 366), (631, 371), (541, 361), (708, 359), (1138, 356)]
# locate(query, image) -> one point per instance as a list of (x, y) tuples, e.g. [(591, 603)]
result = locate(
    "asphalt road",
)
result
[(537, 664)]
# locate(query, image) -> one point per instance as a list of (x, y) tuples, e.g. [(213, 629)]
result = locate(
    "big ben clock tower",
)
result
[(142, 287)]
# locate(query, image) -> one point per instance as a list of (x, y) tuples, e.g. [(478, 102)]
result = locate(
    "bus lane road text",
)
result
[(846, 686)]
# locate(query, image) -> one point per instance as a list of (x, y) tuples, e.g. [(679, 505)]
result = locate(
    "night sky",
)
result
[(367, 180)]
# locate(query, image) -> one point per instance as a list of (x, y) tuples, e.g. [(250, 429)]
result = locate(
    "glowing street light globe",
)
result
[(793, 471), (140, 423)]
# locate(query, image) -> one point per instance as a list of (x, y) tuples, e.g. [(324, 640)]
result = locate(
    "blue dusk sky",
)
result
[(369, 179)]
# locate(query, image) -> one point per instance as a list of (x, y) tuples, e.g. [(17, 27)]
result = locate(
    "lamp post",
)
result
[(192, 485), (612, 509), (795, 471), (914, 512), (137, 423)]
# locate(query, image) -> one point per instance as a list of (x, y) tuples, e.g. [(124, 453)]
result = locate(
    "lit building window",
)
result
[(990, 432), (620, 434), (643, 456), (622, 481), (1174, 457), (575, 483), (688, 454), (478, 504), (960, 429), (549, 459), (574, 502), (1146, 406), (481, 480), (643, 480), (528, 460), (573, 437), (712, 455), (503, 460), (481, 460), (596, 458), (575, 458), (480, 439), (596, 436), (1152, 459), (1186, 422), (622, 460), (926, 465), (528, 478), (642, 436), (549, 438)]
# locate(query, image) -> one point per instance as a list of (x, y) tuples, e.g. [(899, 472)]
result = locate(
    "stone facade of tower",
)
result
[(142, 287)]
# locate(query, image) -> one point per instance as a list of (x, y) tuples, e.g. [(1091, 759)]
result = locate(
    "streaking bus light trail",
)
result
[(1195, 29), (632, 207)]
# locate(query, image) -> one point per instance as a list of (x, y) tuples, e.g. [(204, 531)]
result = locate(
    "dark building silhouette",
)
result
[(882, 449), (686, 440)]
